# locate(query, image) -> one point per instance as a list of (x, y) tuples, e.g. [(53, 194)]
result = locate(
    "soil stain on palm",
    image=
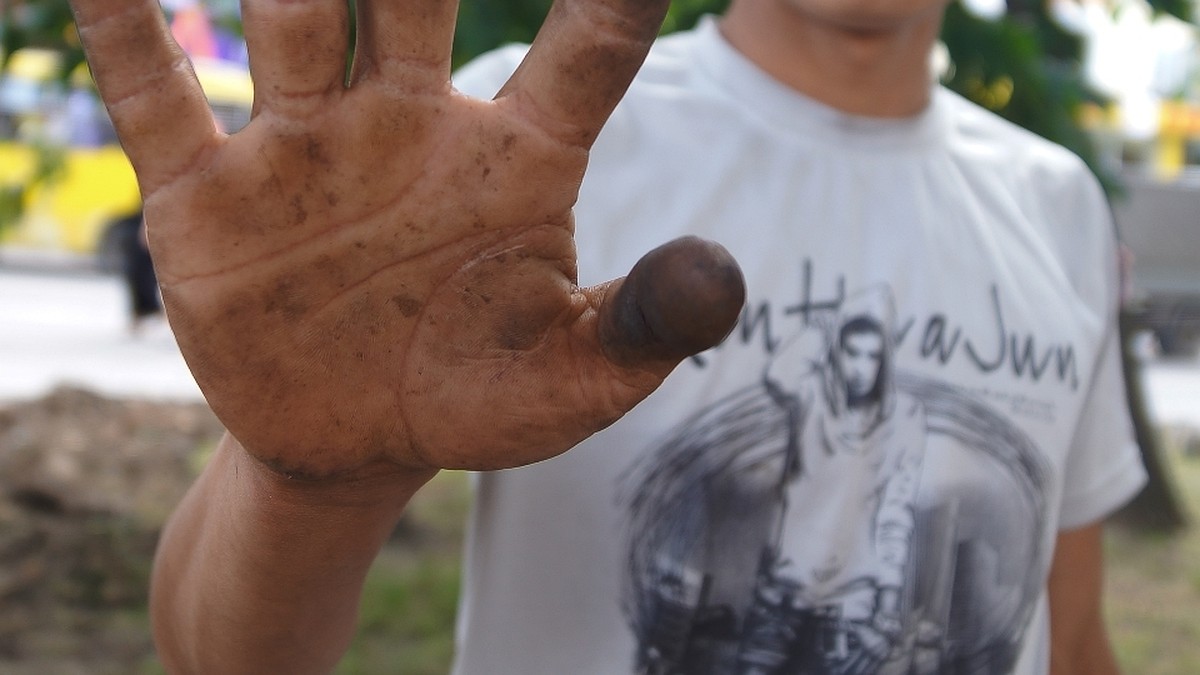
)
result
[(407, 305)]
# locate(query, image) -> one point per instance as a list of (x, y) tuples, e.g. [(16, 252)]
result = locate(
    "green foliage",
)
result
[(406, 620), (1153, 581), (40, 23), (484, 25), (409, 602), (36, 23), (683, 14), (49, 162), (12, 200), (1180, 9), (1026, 69)]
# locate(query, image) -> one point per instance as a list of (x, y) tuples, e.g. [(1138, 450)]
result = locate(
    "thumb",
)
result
[(679, 299)]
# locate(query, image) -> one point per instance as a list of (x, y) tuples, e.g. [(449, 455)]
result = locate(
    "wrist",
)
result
[(379, 485), (252, 558)]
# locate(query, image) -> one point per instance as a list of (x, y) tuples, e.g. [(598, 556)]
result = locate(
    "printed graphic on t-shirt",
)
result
[(836, 516)]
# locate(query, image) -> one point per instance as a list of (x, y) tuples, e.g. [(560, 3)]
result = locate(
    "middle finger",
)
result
[(298, 52), (408, 42)]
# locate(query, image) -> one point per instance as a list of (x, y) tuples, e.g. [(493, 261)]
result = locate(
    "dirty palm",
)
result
[(384, 263)]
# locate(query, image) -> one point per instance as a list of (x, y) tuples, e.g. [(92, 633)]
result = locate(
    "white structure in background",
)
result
[(1132, 56), (1148, 65), (987, 9)]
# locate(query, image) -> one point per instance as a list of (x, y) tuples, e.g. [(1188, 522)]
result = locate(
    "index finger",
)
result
[(581, 63), (147, 83)]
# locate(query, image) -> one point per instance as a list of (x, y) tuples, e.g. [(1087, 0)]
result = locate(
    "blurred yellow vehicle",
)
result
[(62, 170)]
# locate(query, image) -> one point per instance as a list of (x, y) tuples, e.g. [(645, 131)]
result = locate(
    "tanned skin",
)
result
[(372, 281)]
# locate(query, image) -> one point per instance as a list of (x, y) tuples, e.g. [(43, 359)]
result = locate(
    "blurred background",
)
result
[(102, 427)]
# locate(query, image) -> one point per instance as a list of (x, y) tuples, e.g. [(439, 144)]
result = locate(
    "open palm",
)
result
[(384, 270)]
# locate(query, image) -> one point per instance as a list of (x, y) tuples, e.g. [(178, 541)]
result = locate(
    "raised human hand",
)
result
[(378, 271)]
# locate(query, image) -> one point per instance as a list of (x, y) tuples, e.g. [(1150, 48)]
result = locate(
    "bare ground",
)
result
[(85, 486)]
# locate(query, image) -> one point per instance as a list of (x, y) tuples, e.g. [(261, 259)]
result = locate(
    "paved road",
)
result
[(1173, 391), (60, 328), (73, 328)]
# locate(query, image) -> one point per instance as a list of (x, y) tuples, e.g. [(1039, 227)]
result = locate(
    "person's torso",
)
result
[(729, 494)]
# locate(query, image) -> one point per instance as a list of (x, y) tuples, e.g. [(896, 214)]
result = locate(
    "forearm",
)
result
[(256, 573), (1079, 643), (1083, 649)]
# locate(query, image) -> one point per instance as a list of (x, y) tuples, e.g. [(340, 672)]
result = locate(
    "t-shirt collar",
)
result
[(784, 107)]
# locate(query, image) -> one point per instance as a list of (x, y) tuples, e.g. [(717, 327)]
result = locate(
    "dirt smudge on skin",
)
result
[(408, 306), (286, 300), (299, 213), (315, 151), (507, 144)]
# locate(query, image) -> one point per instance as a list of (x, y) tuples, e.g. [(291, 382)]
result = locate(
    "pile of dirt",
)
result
[(86, 483)]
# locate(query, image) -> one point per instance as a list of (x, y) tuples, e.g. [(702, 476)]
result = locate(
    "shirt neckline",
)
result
[(764, 96)]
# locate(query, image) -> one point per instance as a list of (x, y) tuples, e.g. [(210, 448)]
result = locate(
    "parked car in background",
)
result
[(62, 170), (1159, 223)]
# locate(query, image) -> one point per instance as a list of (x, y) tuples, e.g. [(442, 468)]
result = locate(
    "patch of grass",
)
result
[(406, 622), (406, 619), (1153, 588)]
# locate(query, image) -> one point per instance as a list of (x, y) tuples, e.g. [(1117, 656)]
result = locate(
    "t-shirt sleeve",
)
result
[(1104, 468)]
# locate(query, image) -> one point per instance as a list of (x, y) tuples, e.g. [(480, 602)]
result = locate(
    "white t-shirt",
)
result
[(868, 476)]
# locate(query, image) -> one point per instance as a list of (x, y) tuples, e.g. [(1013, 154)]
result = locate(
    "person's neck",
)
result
[(883, 73)]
